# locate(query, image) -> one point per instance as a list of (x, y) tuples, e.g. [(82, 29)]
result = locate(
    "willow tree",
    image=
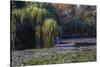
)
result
[(34, 12), (49, 31), (39, 15), (42, 14), (20, 19), (16, 20)]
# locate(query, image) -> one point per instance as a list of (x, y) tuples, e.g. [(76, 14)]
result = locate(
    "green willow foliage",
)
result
[(49, 31), (39, 15), (35, 17)]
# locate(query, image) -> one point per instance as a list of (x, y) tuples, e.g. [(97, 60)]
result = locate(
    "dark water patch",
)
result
[(84, 44)]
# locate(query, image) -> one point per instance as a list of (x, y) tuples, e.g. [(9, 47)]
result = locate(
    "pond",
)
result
[(78, 43)]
